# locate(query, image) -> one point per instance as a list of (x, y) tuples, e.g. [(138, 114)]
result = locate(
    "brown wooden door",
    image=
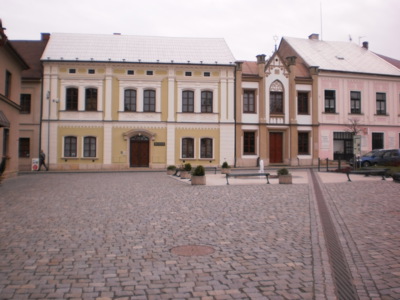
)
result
[(276, 147), (139, 151)]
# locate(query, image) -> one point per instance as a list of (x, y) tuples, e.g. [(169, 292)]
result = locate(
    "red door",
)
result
[(139, 151), (276, 147)]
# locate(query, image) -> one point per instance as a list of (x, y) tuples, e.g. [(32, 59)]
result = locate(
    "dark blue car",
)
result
[(371, 158)]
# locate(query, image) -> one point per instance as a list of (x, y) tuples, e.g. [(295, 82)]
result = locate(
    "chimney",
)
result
[(261, 58), (314, 36), (45, 36), (365, 45)]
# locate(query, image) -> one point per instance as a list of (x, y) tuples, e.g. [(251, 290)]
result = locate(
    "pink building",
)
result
[(351, 89)]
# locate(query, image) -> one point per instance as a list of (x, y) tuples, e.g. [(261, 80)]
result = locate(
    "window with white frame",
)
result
[(303, 142), (188, 101), (130, 100), (70, 146), (381, 103), (71, 99), (206, 148), (187, 148), (330, 101), (276, 97), (206, 102), (355, 102), (149, 101), (89, 146), (91, 99)]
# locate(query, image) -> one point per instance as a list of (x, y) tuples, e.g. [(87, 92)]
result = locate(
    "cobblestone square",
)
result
[(110, 235)]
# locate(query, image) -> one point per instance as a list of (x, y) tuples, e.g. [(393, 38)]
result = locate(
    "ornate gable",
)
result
[(276, 66)]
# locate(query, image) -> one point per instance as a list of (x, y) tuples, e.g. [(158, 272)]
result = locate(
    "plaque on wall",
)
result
[(159, 143)]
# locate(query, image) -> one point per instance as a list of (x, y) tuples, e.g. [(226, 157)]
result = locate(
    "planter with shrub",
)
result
[(198, 176), (171, 170), (185, 172), (284, 176)]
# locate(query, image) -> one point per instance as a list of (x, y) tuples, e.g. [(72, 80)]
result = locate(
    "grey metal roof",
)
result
[(119, 48), (341, 56)]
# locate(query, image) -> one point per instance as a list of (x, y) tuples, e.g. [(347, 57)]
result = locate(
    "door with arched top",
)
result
[(139, 151)]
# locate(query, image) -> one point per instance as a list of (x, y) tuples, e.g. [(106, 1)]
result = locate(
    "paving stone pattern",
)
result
[(109, 236)]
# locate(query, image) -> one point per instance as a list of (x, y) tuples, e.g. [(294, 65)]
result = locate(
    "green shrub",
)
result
[(199, 171), (225, 165), (187, 167), (171, 168), (283, 171)]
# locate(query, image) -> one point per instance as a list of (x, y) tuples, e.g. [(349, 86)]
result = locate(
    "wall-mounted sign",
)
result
[(159, 143)]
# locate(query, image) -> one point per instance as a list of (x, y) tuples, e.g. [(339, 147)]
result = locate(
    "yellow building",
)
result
[(117, 102)]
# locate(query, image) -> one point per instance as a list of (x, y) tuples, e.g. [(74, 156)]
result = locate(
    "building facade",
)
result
[(116, 102), (352, 91), (11, 68), (30, 100)]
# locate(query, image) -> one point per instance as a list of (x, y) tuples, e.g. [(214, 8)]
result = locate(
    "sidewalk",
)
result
[(299, 176)]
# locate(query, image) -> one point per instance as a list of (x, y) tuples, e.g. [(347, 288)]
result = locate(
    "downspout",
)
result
[(234, 118)]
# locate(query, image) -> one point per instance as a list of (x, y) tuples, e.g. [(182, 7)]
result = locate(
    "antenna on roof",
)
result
[(320, 13), (275, 39)]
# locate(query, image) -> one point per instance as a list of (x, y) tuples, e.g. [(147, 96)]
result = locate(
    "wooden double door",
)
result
[(276, 147), (139, 151)]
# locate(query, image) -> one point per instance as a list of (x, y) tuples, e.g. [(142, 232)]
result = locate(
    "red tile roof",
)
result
[(250, 68), (31, 51)]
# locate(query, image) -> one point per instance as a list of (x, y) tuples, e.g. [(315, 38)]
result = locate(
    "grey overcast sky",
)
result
[(250, 27)]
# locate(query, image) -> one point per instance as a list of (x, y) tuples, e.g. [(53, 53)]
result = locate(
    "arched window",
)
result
[(89, 146), (91, 99), (149, 101), (206, 102), (206, 148), (70, 146), (71, 98), (130, 100), (187, 101), (187, 148), (276, 98)]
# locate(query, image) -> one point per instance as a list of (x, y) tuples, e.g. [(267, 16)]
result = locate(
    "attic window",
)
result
[(188, 73), (91, 71), (207, 74), (130, 72), (149, 72), (72, 71), (339, 57)]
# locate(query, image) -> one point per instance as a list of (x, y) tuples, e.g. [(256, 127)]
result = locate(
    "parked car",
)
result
[(369, 159), (390, 157)]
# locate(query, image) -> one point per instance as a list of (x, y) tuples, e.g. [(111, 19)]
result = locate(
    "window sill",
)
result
[(381, 115), (330, 113), (357, 114), (69, 158), (277, 114)]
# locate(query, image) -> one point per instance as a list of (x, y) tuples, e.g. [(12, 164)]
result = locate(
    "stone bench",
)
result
[(245, 175), (368, 172)]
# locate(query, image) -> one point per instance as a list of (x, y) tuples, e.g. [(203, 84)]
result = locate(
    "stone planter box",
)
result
[(198, 180), (171, 172), (185, 175), (285, 179)]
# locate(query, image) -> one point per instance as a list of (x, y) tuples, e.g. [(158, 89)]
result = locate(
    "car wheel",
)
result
[(366, 164)]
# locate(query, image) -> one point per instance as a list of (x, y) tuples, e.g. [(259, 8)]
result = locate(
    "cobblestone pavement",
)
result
[(109, 236)]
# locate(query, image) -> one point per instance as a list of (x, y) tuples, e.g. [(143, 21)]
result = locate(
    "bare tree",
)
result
[(354, 127)]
